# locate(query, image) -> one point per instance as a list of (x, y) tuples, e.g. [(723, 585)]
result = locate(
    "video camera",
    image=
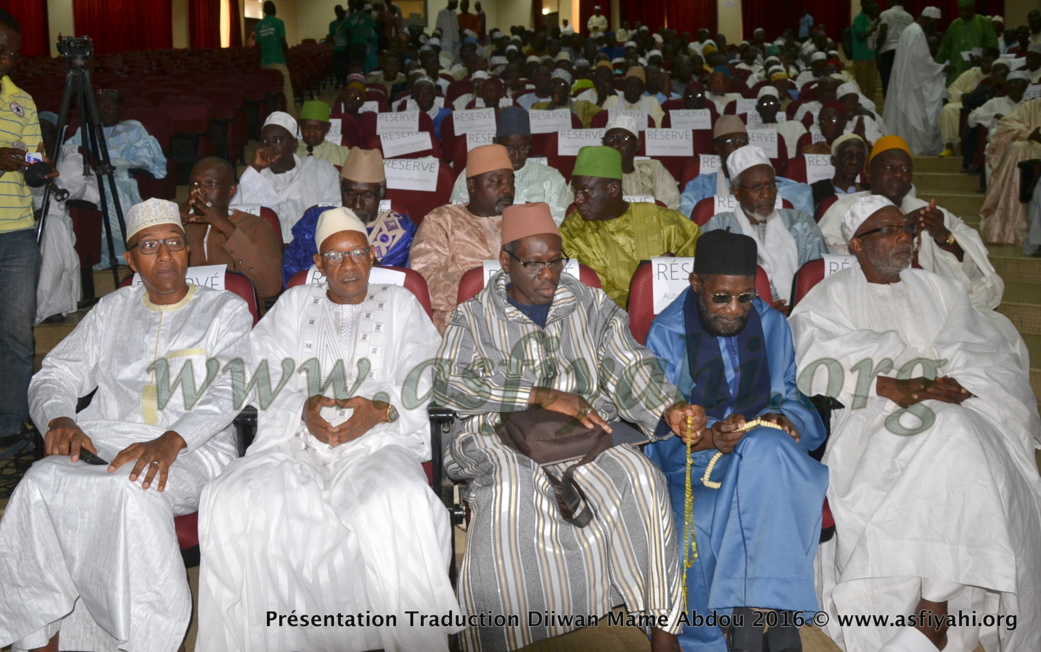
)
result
[(78, 50)]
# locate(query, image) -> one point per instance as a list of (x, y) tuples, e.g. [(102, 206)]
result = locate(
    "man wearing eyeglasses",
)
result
[(639, 177), (934, 484), (535, 337), (88, 554), (220, 235), (612, 235), (363, 189), (282, 181), (729, 133), (458, 237), (786, 239), (533, 181), (945, 244), (341, 519), (757, 512)]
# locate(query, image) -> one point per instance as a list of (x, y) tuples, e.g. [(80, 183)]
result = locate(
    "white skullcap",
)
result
[(618, 60), (284, 120), (596, 7), (426, 48), (1004, 63), (621, 121), (742, 43), (772, 57), (846, 89), (997, 19), (335, 220), (833, 52), (642, 61), (931, 12), (692, 48), (654, 53), (581, 62), (657, 38), (150, 213), (480, 74), (818, 56), (560, 73), (470, 33), (746, 157), (630, 44), (498, 61), (860, 211), (644, 28), (709, 42), (531, 58), (511, 47), (563, 56), (1019, 74), (434, 41), (767, 90)]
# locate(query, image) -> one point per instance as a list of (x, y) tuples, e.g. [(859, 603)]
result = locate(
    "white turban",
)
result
[(627, 122), (746, 157), (335, 220), (284, 120), (150, 213), (846, 89), (767, 90), (860, 211), (818, 56), (931, 12)]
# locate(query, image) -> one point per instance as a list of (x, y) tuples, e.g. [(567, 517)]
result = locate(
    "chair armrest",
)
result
[(245, 428), (441, 420)]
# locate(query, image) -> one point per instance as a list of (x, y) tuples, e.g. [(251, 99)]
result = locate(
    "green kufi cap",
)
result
[(966, 4), (605, 162), (315, 110)]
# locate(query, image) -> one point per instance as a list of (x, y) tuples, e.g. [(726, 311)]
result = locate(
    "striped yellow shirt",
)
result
[(18, 122)]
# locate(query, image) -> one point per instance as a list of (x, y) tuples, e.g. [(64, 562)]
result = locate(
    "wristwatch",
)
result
[(392, 413)]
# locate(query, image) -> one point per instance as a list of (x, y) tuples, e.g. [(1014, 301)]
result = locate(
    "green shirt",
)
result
[(269, 33), (863, 44), (961, 37), (361, 28)]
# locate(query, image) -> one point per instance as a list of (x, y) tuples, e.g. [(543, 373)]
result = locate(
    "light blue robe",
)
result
[(809, 241), (757, 535), (704, 185), (130, 146)]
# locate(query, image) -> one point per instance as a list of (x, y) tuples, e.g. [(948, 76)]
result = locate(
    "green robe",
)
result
[(614, 248), (962, 36)]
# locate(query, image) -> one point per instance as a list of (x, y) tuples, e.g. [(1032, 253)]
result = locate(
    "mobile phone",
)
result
[(91, 458)]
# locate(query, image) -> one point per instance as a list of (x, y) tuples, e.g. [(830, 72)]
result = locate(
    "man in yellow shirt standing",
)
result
[(19, 254)]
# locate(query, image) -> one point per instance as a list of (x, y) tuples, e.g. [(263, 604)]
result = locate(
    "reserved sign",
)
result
[(572, 140), (548, 122), (693, 119), (412, 173), (207, 276), (709, 163), (818, 167), (766, 139), (400, 144), (669, 142), (474, 120), (478, 138), (639, 116), (836, 263), (670, 276), (401, 122), (747, 105), (335, 131)]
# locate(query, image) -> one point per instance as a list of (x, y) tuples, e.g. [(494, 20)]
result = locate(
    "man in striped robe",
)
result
[(536, 338)]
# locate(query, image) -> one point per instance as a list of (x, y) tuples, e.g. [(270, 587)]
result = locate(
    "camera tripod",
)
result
[(78, 51)]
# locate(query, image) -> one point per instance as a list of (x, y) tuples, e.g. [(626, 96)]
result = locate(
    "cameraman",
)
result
[(19, 255)]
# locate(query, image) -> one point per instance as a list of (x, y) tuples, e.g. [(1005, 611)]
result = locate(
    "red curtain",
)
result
[(122, 25), (236, 23), (204, 23), (680, 15), (32, 18), (690, 16)]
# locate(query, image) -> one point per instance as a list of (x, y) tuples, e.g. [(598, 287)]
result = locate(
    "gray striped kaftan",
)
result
[(523, 560)]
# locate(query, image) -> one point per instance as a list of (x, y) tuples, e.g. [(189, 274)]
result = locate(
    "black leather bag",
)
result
[(548, 437)]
